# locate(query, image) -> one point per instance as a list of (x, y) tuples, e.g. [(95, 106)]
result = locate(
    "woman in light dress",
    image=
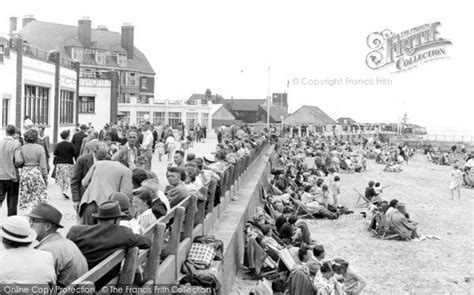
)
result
[(456, 182)]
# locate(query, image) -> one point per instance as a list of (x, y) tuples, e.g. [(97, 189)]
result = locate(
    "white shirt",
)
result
[(470, 163), (147, 139)]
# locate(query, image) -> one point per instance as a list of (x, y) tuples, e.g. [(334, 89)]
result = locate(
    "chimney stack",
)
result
[(127, 39), (208, 93), (84, 32), (27, 19), (13, 23)]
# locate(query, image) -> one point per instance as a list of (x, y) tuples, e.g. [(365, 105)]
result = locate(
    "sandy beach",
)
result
[(393, 267)]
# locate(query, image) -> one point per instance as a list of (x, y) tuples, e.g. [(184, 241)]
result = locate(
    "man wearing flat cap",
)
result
[(69, 262)]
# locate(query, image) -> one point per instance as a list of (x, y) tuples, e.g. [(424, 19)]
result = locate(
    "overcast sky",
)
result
[(228, 47)]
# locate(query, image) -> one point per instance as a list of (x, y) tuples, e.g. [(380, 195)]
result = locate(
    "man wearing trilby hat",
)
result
[(98, 241), (69, 262), (20, 263)]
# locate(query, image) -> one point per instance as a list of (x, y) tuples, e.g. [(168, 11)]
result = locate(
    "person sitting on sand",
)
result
[(402, 225), (370, 191), (353, 282), (393, 167)]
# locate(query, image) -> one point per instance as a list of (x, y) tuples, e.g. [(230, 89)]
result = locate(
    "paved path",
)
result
[(66, 206)]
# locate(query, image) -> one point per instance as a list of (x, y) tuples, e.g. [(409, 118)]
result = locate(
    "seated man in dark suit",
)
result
[(176, 191), (99, 241)]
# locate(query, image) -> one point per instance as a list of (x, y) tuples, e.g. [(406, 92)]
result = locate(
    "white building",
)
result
[(169, 112), (38, 84)]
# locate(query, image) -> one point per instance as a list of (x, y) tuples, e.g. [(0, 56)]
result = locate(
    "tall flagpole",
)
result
[(268, 101)]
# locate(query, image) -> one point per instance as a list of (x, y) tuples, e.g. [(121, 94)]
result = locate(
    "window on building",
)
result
[(142, 117), (86, 104), (101, 74), (122, 59), (77, 54), (37, 104), (191, 120), (205, 120), (144, 83), (66, 107), (159, 117), (87, 73), (2, 48), (124, 98), (129, 79), (142, 98), (5, 104), (126, 118), (100, 57), (174, 119)]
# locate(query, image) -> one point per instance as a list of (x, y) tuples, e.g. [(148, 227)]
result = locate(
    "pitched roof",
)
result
[(309, 114), (248, 105), (345, 120), (220, 112), (50, 36), (276, 112)]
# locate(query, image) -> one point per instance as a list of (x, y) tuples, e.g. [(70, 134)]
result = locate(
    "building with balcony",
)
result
[(38, 84), (112, 71)]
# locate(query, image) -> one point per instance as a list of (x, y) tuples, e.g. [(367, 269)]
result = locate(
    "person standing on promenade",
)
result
[(9, 185)]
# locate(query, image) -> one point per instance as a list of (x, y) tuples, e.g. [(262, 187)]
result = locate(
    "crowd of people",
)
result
[(462, 161), (305, 182), (114, 191)]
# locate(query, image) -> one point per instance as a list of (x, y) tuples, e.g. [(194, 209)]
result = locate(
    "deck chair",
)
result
[(301, 210), (284, 256), (361, 196)]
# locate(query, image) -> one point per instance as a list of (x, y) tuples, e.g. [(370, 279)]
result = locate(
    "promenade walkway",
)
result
[(66, 206)]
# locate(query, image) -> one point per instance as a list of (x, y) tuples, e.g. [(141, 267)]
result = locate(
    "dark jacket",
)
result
[(64, 153), (77, 139), (99, 241), (79, 171)]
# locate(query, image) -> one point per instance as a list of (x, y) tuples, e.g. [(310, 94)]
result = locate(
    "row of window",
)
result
[(126, 78), (125, 98), (100, 56), (174, 118), (36, 105)]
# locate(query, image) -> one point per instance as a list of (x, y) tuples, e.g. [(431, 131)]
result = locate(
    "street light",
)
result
[(268, 101)]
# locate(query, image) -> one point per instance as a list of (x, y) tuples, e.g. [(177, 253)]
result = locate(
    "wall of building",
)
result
[(38, 73), (7, 89), (100, 90)]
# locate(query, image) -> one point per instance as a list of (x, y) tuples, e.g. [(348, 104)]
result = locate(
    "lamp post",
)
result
[(268, 101)]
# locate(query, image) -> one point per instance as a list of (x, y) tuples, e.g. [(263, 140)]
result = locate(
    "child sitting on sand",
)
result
[(353, 282)]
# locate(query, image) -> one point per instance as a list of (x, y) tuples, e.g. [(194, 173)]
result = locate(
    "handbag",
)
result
[(20, 161), (202, 254)]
